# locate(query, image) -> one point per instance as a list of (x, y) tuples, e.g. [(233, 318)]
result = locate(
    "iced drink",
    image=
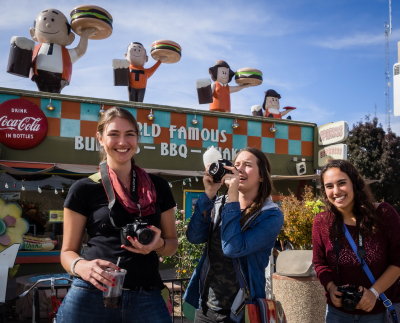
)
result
[(112, 297)]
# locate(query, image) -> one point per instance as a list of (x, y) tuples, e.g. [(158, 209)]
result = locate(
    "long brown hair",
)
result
[(265, 188), (363, 207), (108, 116)]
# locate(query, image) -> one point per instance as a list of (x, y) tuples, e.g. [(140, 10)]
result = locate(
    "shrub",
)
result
[(188, 255), (298, 218)]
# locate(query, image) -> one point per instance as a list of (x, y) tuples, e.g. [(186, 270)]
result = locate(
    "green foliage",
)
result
[(298, 218), (376, 154), (188, 255)]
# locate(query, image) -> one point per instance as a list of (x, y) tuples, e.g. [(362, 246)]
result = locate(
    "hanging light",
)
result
[(50, 106), (6, 185), (151, 116), (55, 191), (235, 124), (62, 190), (196, 179), (184, 182), (273, 129), (194, 120), (39, 190), (101, 111), (170, 184), (22, 187)]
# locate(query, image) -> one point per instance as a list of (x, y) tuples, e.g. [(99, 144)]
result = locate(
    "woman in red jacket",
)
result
[(374, 228)]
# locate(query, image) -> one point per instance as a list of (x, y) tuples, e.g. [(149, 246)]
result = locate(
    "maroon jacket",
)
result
[(382, 249)]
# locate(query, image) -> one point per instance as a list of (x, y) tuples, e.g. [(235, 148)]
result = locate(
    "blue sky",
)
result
[(325, 57)]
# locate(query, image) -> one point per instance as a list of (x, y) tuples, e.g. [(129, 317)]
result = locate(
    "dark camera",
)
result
[(217, 170), (137, 229), (350, 296)]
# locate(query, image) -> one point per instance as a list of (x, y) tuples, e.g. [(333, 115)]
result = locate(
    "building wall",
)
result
[(171, 141)]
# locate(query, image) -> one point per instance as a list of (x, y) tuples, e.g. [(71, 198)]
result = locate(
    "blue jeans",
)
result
[(334, 315), (84, 303)]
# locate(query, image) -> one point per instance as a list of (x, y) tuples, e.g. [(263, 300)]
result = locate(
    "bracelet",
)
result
[(73, 264), (162, 247), (375, 292)]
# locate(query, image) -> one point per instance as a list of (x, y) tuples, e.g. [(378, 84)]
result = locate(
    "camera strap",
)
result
[(107, 184), (105, 179), (386, 301)]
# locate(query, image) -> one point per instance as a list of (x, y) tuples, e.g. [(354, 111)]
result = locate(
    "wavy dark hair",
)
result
[(213, 70), (265, 188), (363, 208), (108, 116)]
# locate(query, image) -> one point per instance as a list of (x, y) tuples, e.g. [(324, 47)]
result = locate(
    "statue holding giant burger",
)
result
[(49, 62), (131, 71), (218, 93)]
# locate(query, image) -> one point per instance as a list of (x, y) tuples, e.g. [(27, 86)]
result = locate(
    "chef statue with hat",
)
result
[(49, 63), (271, 106)]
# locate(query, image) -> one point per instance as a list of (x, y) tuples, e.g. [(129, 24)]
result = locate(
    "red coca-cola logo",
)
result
[(22, 124)]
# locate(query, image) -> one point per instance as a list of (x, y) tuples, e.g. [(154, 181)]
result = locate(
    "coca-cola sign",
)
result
[(22, 124)]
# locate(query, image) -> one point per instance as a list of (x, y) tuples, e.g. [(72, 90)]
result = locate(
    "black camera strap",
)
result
[(105, 179)]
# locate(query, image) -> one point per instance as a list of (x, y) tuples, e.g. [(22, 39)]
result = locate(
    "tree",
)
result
[(376, 154)]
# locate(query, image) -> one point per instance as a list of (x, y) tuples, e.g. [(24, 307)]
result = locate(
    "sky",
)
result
[(324, 57)]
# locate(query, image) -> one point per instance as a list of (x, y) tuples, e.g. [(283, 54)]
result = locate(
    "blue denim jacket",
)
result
[(252, 247)]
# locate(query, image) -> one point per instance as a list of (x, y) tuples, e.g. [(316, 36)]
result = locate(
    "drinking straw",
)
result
[(119, 259)]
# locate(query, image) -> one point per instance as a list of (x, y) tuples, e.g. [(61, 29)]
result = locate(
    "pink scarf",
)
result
[(145, 189)]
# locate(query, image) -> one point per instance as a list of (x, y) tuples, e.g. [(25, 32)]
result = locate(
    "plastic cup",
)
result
[(112, 296)]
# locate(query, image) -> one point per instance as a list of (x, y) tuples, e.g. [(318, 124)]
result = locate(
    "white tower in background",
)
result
[(396, 74)]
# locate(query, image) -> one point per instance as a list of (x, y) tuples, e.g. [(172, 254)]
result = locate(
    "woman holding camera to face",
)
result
[(375, 230), (219, 221), (142, 202)]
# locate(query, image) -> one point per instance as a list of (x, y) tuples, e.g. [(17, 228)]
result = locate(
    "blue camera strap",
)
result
[(386, 301)]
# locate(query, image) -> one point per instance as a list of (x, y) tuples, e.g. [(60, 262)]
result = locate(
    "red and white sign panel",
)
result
[(338, 151), (333, 133), (22, 124)]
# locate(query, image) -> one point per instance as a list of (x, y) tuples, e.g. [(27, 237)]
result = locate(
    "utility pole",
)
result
[(388, 31)]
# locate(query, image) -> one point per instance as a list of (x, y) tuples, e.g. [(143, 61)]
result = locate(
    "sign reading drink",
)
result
[(333, 133), (22, 124), (338, 151)]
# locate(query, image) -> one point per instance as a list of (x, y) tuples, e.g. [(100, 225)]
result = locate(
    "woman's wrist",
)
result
[(375, 292), (73, 265), (162, 246), (329, 286)]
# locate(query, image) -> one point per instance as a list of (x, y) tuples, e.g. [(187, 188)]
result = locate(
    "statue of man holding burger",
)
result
[(136, 56), (49, 63), (51, 60)]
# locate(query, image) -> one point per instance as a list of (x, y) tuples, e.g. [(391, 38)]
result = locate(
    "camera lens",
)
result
[(217, 171), (145, 235)]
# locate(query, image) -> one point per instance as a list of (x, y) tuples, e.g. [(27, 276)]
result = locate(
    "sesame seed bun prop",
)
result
[(248, 76), (89, 16), (166, 51)]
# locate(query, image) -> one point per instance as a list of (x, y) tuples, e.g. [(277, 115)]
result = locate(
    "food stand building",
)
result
[(40, 159)]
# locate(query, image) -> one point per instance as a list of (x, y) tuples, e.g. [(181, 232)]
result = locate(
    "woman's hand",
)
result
[(367, 301), (210, 188), (335, 295), (137, 247), (232, 180), (94, 272)]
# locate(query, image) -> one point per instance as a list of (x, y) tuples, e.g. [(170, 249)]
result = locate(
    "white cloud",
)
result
[(356, 40)]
